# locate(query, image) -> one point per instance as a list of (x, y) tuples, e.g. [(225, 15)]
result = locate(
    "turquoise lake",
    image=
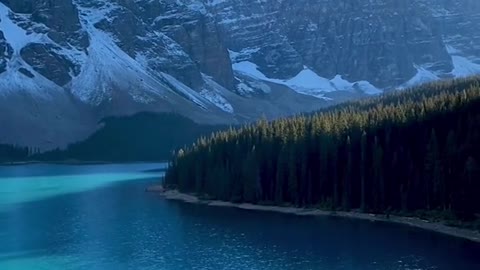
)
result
[(99, 217)]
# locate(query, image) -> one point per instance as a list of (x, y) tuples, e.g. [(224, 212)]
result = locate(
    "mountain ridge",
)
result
[(218, 62)]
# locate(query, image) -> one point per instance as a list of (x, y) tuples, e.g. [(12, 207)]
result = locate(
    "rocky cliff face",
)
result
[(219, 61)]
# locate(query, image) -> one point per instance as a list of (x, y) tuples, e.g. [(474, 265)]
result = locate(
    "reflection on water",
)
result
[(99, 217), (33, 182)]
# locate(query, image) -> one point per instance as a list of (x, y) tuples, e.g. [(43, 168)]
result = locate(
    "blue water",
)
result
[(99, 217)]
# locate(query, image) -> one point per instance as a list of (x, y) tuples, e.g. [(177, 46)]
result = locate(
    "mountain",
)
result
[(140, 137), (66, 64)]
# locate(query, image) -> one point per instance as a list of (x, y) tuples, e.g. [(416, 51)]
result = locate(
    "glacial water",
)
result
[(99, 217)]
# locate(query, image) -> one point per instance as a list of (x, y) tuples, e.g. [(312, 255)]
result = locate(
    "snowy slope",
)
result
[(17, 38), (149, 50), (423, 76), (107, 67), (464, 67), (220, 61), (307, 82)]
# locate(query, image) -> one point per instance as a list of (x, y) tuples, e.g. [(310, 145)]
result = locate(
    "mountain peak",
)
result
[(227, 61)]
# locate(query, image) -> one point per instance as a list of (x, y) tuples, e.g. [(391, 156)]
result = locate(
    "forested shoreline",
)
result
[(408, 151), (140, 137), (13, 153)]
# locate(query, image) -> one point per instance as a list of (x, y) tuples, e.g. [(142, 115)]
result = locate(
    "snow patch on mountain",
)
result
[(363, 86), (184, 90), (105, 67), (217, 100), (95, 14), (216, 2), (249, 69), (243, 55), (307, 82), (423, 76), (367, 88), (245, 89), (215, 94), (152, 62), (341, 84), (15, 35), (452, 50), (463, 67), (12, 79)]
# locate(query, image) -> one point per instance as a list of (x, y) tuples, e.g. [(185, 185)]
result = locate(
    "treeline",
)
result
[(141, 137), (12, 153), (417, 149)]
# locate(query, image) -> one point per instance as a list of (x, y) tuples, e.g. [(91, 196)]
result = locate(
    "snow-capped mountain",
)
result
[(65, 64)]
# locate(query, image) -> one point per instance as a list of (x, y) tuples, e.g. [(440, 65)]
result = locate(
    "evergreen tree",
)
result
[(405, 151), (363, 171)]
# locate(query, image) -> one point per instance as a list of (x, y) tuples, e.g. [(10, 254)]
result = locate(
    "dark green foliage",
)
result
[(406, 151), (142, 137), (12, 153)]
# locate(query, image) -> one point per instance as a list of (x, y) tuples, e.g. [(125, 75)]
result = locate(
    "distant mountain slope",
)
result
[(227, 61), (142, 137)]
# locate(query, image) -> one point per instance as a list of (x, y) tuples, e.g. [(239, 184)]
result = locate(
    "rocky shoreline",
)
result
[(410, 221)]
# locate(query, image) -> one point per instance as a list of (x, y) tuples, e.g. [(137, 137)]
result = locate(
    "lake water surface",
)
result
[(99, 217)]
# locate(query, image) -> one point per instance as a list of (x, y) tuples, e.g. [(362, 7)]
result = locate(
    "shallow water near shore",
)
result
[(99, 217)]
